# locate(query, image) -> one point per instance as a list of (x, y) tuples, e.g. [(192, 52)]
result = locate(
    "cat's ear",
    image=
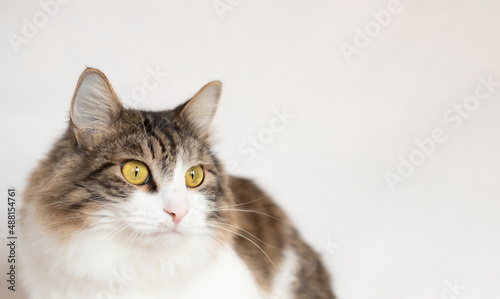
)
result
[(200, 110), (94, 108)]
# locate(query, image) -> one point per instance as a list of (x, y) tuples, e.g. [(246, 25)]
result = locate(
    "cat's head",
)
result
[(151, 176)]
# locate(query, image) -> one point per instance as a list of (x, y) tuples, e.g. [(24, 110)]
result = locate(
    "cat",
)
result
[(134, 204)]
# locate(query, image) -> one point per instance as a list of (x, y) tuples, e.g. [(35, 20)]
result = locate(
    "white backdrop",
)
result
[(362, 79)]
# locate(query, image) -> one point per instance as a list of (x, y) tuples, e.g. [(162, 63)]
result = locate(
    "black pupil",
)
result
[(136, 171), (192, 174)]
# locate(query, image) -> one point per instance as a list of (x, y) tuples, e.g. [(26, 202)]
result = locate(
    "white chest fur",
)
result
[(226, 277), (87, 269)]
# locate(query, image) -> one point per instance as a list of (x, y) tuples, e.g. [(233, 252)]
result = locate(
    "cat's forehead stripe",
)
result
[(157, 133), (149, 130), (151, 149), (163, 125)]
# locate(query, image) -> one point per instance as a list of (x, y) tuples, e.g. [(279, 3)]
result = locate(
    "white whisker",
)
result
[(247, 233), (211, 224)]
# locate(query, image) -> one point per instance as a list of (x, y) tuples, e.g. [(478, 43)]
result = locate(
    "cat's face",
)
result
[(143, 177), (161, 181)]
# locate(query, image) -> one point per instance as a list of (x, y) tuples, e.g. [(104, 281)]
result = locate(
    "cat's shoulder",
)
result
[(247, 191)]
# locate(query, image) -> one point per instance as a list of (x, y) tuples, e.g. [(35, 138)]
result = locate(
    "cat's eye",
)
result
[(135, 172), (194, 176)]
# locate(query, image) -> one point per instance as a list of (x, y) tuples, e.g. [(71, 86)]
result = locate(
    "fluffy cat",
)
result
[(134, 204)]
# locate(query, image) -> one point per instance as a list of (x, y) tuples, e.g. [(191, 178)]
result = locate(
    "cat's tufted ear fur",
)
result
[(200, 110), (94, 108)]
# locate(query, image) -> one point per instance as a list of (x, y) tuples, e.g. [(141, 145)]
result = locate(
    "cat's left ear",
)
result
[(200, 110), (94, 109)]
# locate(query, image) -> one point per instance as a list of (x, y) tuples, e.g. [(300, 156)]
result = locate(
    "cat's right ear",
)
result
[(94, 108)]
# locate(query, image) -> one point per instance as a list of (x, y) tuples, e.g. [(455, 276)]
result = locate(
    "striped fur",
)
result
[(78, 193)]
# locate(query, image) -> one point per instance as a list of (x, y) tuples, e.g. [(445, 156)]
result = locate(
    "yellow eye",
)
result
[(135, 172), (194, 176)]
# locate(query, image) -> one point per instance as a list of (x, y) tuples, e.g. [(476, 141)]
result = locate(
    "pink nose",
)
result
[(177, 214)]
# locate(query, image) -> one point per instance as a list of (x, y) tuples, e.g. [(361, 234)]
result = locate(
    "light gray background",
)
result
[(352, 119)]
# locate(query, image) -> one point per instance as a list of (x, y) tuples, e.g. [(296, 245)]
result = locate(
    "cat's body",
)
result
[(188, 230)]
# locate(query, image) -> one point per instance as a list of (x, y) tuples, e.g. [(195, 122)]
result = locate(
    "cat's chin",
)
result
[(167, 238)]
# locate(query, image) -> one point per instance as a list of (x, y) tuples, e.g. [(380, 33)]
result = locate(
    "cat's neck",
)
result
[(168, 263)]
